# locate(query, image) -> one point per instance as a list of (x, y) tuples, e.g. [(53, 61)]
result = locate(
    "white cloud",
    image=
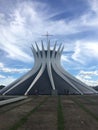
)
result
[(90, 18), (85, 51), (12, 70), (94, 5), (78, 55), (89, 82), (1, 65), (14, 51), (7, 80), (89, 73), (2, 18), (64, 58), (88, 77), (2, 76)]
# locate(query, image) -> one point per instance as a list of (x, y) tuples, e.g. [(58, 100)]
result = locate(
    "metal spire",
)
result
[(47, 36)]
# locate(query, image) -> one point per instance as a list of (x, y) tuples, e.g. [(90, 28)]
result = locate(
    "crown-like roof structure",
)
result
[(47, 76)]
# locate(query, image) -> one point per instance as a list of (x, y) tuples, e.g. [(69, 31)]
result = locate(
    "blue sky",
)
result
[(72, 22)]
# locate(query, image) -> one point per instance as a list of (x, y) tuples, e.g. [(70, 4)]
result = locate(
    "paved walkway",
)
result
[(44, 113)]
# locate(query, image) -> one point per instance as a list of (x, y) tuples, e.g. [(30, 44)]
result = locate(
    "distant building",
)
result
[(47, 76)]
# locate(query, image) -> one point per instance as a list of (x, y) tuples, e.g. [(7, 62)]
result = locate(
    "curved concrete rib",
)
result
[(35, 80), (54, 61), (64, 78), (43, 50), (54, 50), (38, 50), (43, 64), (49, 68)]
